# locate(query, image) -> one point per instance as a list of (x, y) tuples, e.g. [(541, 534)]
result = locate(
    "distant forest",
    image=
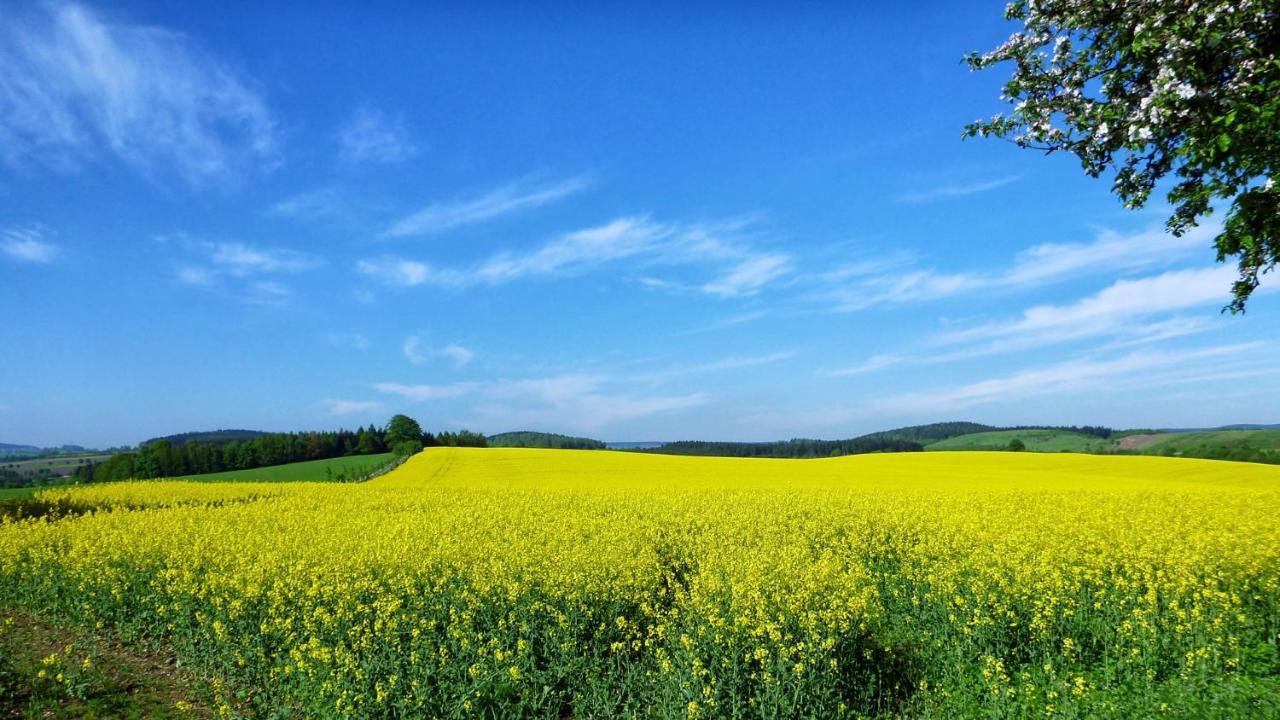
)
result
[(905, 439), (797, 448), (163, 458), (529, 439)]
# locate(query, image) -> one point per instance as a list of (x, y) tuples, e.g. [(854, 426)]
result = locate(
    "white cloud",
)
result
[(244, 272), (1128, 311), (871, 364), (572, 401), (1073, 376), (958, 190), (371, 136), (75, 86), (728, 363), (1109, 250), (578, 252), (441, 216), (749, 276), (325, 203), (27, 244), (194, 276), (396, 271), (427, 392), (353, 407), (416, 354), (240, 259), (1111, 310), (1035, 267), (458, 354), (266, 292)]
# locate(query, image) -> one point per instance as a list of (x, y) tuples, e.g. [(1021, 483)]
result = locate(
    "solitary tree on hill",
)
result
[(402, 429)]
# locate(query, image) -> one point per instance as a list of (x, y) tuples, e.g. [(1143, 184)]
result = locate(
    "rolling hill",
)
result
[(213, 437), (1256, 445), (530, 439), (1036, 440)]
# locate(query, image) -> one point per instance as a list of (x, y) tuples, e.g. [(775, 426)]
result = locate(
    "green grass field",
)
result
[(19, 493), (64, 465), (313, 470), (1196, 442), (1035, 440)]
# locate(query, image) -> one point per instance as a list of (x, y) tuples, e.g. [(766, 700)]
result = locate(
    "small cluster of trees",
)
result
[(162, 458), (555, 441)]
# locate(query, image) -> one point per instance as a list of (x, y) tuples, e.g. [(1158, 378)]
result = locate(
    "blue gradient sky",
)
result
[(716, 222)]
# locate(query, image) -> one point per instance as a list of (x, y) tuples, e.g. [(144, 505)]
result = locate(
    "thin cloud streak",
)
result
[(1035, 267), (578, 252), (955, 191), (353, 407), (1071, 376), (371, 136), (75, 87), (28, 245), (511, 198)]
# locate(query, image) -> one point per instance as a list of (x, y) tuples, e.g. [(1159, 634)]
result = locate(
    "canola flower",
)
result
[(532, 583)]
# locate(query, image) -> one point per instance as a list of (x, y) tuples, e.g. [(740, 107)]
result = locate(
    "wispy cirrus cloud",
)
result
[(636, 239), (416, 353), (1130, 311), (248, 273), (28, 244), (371, 135), (1141, 368), (573, 401), (749, 275), (1034, 267), (75, 87), (957, 190), (505, 200), (728, 363), (427, 392), (353, 407), (1111, 310)]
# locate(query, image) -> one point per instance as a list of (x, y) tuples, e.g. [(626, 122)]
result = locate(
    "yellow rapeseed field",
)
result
[(553, 583)]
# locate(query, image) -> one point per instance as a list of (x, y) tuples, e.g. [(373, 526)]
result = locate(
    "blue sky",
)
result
[(669, 221)]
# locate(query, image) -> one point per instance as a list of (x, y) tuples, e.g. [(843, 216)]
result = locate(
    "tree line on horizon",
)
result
[(162, 458)]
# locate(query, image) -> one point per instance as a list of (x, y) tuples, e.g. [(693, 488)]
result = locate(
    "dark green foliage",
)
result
[(925, 434), (162, 458), (797, 448), (212, 437), (1187, 94), (462, 438), (1016, 445), (407, 448), (528, 439), (402, 429)]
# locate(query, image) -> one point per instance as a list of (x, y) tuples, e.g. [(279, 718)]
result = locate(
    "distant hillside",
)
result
[(529, 439), (213, 437), (1034, 439), (635, 445), (1247, 445), (925, 434), (10, 448), (797, 448)]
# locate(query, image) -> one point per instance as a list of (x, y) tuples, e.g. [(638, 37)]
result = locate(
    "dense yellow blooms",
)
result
[(508, 582)]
